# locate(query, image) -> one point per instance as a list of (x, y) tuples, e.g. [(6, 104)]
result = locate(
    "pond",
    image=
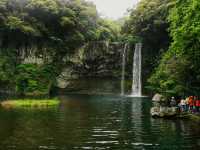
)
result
[(95, 122)]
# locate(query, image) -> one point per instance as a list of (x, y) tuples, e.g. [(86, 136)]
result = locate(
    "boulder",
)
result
[(155, 111), (164, 111), (158, 98)]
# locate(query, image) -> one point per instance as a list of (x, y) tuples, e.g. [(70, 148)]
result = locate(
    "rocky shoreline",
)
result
[(161, 110)]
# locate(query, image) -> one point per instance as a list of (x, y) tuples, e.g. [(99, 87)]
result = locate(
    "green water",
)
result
[(95, 122)]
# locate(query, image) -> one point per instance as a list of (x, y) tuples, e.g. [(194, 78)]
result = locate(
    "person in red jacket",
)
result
[(197, 105), (190, 101)]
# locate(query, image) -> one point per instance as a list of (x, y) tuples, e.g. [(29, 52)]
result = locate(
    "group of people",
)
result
[(190, 104)]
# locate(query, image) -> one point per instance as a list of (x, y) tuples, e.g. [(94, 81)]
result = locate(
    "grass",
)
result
[(20, 103)]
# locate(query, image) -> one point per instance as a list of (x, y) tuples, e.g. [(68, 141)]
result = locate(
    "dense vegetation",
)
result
[(148, 24), (169, 30), (179, 69), (37, 35), (30, 103)]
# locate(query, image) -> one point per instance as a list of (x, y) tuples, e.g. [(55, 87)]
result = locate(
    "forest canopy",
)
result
[(179, 68), (48, 30), (169, 30)]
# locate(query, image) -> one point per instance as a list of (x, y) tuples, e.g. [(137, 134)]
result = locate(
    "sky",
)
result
[(114, 9)]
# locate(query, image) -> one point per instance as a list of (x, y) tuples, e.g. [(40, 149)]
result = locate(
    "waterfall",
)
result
[(123, 69), (107, 44), (137, 69)]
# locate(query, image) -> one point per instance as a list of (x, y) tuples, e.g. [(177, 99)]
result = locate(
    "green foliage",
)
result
[(179, 68), (108, 30), (62, 25), (49, 30), (49, 6), (15, 23), (171, 75), (148, 24), (33, 79), (7, 71), (67, 22), (169, 31), (30, 103)]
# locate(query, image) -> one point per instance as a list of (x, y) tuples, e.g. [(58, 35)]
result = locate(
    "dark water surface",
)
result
[(95, 122)]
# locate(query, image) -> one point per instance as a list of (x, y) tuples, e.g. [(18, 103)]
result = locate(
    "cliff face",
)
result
[(99, 59), (93, 60)]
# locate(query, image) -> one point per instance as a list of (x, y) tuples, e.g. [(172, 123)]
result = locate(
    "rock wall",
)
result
[(93, 60), (99, 59)]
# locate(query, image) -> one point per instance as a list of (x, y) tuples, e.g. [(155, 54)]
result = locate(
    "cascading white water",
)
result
[(123, 69), (137, 70)]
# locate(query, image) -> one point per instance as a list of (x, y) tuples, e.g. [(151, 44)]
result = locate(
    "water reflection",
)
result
[(95, 122)]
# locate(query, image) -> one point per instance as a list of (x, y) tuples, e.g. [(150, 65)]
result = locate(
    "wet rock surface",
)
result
[(164, 111), (99, 59), (161, 109)]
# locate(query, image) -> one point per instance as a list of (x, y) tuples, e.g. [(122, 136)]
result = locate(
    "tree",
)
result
[(148, 24), (50, 30), (180, 65)]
